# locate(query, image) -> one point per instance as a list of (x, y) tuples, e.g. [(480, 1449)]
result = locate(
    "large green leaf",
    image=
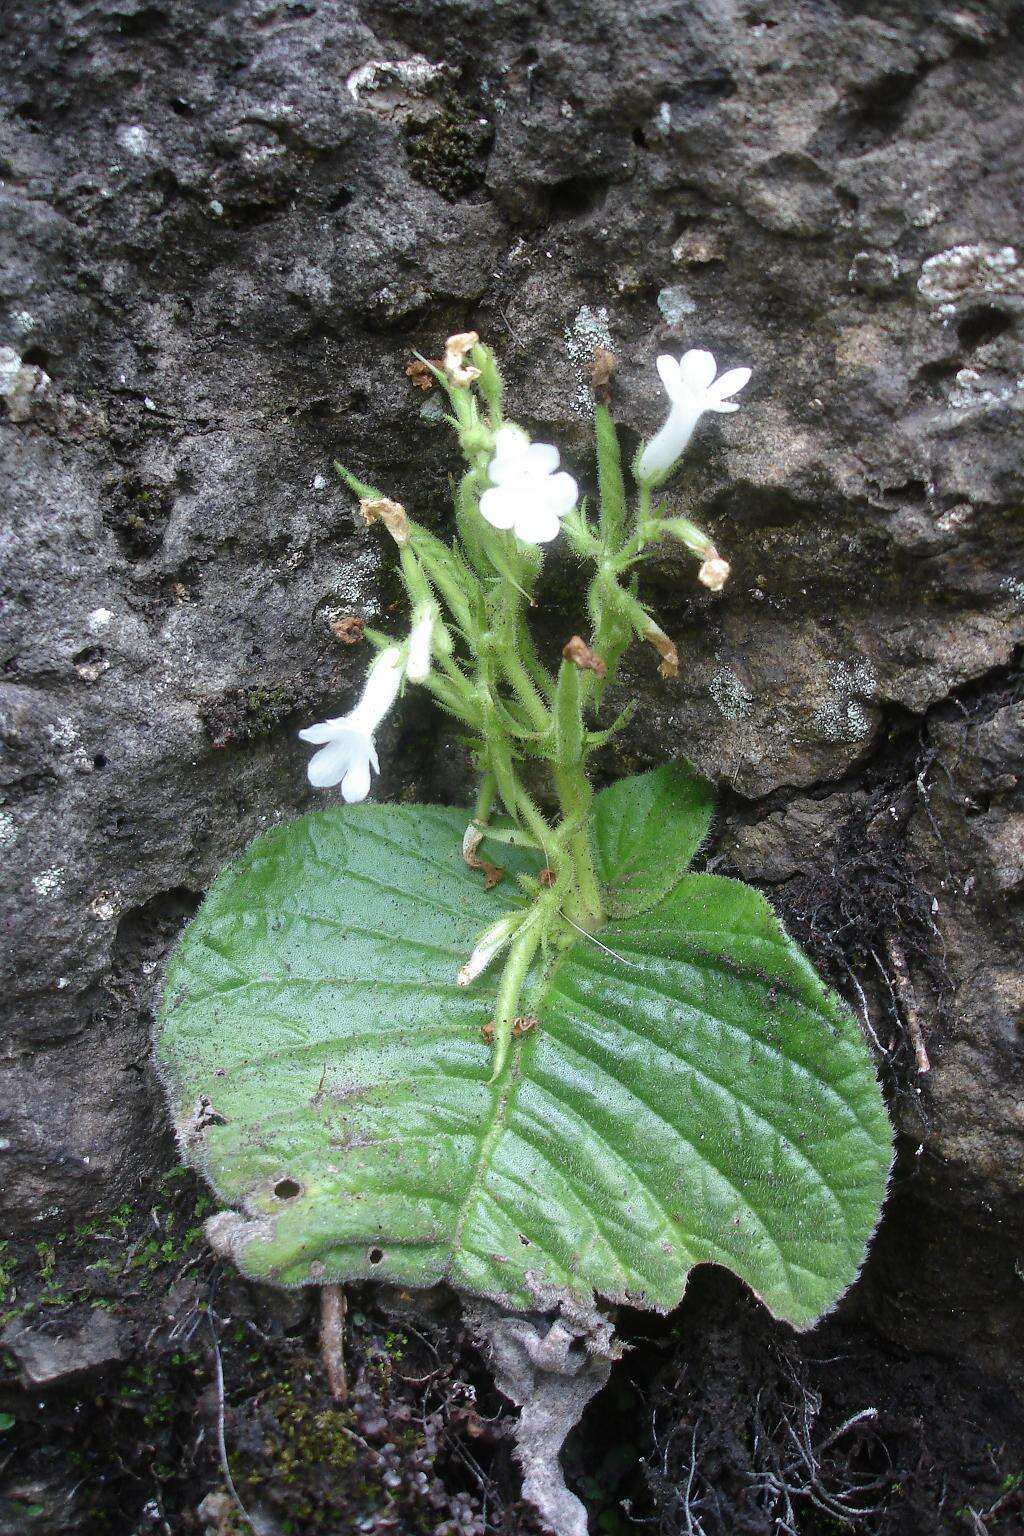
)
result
[(646, 832), (691, 1093)]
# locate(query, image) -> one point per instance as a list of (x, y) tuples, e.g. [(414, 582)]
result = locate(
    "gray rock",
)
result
[(223, 231), (47, 1361)]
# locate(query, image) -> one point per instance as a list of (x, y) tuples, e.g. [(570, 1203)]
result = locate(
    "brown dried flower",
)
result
[(714, 573), (656, 636), (455, 349), (579, 653), (391, 513)]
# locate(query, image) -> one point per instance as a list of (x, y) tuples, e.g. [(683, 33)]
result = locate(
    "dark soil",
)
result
[(718, 1420)]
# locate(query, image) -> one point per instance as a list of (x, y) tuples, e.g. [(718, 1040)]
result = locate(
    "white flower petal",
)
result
[(326, 730), (561, 493), (697, 369), (499, 506), (538, 525), (511, 451), (355, 786), (729, 383), (668, 368), (330, 765), (541, 459)]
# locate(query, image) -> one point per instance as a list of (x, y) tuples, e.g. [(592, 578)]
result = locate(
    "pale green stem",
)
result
[(584, 903), (485, 799), (510, 987)]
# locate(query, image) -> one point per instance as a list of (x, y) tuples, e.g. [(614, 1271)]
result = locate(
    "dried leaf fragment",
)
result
[(419, 374), (348, 628), (602, 370)]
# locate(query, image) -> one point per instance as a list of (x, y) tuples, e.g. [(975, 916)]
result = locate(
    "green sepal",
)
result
[(490, 382), (358, 487), (568, 715), (609, 477), (596, 739)]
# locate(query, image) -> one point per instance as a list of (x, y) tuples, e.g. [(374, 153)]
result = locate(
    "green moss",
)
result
[(448, 152), (309, 1437), (245, 714)]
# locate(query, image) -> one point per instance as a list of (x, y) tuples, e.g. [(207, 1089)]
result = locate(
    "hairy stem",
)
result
[(520, 957), (583, 902)]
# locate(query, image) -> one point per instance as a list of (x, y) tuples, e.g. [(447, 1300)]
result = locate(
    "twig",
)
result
[(908, 998), (222, 1449), (333, 1307)]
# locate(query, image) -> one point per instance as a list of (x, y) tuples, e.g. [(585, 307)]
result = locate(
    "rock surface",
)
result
[(223, 232), (46, 1362)]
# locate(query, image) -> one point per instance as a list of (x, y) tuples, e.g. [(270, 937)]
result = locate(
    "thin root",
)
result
[(908, 1001)]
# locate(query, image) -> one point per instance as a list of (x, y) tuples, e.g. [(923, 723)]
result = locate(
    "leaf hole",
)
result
[(375, 1255), (287, 1189), (525, 1241)]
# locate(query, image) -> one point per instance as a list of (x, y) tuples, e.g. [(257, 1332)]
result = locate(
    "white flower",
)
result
[(692, 388), (417, 667), (347, 750), (526, 493)]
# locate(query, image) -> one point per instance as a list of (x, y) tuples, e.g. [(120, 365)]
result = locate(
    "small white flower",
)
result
[(528, 492), (347, 749), (421, 638), (692, 389)]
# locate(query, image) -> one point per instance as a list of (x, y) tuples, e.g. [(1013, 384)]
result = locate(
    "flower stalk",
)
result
[(532, 730)]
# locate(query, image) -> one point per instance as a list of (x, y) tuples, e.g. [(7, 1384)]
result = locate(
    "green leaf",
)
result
[(647, 831), (691, 1092)]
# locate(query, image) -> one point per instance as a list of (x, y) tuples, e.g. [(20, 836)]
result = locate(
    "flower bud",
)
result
[(417, 666), (694, 538), (490, 942)]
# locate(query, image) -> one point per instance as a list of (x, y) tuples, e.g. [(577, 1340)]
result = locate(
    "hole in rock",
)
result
[(983, 325)]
